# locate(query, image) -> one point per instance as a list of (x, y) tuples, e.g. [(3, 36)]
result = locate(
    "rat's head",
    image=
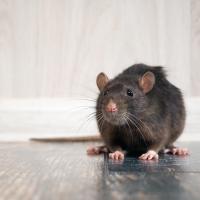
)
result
[(123, 98)]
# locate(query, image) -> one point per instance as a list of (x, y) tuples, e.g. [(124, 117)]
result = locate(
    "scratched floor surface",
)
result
[(63, 171)]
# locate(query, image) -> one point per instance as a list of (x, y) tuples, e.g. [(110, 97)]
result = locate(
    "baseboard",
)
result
[(24, 119)]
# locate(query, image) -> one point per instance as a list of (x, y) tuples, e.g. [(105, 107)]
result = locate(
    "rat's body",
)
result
[(140, 111)]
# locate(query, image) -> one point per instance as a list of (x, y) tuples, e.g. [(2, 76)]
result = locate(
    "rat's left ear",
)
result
[(147, 81)]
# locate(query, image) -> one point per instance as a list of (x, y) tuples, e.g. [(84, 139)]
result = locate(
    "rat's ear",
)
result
[(101, 80), (147, 81)]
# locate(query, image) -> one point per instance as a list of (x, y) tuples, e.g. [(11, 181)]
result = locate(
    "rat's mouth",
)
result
[(115, 118)]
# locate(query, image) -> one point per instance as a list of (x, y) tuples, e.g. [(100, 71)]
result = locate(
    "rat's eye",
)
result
[(129, 93), (105, 92)]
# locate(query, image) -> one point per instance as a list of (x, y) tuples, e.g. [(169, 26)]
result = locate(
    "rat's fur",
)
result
[(144, 121)]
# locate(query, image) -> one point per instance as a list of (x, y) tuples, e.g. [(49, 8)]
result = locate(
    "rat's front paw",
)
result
[(149, 155), (117, 155)]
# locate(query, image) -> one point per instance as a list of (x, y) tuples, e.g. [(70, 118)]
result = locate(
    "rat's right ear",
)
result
[(101, 80)]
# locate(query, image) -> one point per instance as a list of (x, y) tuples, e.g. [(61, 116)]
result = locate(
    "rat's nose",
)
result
[(111, 106)]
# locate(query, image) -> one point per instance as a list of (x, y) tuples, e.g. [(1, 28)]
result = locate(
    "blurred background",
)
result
[(52, 50)]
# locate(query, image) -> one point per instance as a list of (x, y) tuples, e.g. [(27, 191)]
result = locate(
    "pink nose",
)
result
[(111, 107)]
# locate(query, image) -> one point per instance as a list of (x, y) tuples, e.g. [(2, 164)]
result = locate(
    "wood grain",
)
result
[(56, 48), (63, 171), (195, 47)]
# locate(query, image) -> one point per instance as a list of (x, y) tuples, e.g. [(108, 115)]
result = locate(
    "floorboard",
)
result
[(35, 170)]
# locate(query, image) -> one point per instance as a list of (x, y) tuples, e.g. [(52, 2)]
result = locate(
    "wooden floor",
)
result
[(48, 171)]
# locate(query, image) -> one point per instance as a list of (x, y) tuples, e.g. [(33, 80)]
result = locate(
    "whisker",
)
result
[(145, 126), (86, 121), (129, 128), (136, 125), (101, 124)]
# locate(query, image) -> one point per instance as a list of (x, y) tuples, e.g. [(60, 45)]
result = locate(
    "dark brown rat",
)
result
[(139, 112)]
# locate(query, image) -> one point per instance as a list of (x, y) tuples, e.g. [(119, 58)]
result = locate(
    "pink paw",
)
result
[(117, 155), (180, 151), (93, 151), (149, 155)]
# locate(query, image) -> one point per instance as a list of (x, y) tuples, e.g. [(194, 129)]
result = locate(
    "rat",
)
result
[(139, 112)]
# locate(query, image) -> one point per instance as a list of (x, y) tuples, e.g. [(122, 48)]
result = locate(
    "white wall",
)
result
[(51, 50), (195, 47), (40, 118)]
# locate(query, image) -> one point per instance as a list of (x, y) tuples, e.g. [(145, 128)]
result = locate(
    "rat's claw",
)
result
[(93, 151), (149, 155), (180, 151), (117, 155)]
